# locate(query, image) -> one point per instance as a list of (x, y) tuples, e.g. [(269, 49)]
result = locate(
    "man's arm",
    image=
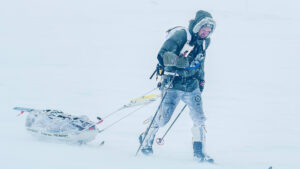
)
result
[(172, 45)]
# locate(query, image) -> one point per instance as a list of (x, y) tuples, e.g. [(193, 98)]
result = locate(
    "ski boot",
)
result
[(146, 148), (147, 151), (199, 155)]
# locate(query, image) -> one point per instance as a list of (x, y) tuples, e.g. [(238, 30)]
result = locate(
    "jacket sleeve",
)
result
[(174, 44)]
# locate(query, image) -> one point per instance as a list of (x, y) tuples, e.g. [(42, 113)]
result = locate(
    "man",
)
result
[(183, 79)]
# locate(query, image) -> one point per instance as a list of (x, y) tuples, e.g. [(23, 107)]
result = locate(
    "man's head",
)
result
[(203, 25), (204, 32)]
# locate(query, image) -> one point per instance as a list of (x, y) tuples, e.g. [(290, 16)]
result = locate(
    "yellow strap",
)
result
[(148, 97)]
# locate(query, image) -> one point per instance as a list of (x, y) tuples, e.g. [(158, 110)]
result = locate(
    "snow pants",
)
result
[(172, 98)]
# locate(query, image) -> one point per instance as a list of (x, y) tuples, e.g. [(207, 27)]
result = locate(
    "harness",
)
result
[(187, 47), (185, 51)]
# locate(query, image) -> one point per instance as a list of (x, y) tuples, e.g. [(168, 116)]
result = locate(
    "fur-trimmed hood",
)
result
[(202, 18)]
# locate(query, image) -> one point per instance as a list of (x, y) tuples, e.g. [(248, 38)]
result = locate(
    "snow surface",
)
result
[(90, 57)]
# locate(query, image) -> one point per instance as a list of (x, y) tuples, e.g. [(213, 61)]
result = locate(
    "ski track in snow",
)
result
[(62, 55)]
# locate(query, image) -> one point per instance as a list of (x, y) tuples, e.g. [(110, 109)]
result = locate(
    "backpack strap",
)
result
[(170, 32), (187, 48)]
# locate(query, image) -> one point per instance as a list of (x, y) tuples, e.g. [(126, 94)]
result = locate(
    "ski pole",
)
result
[(126, 105), (100, 120), (143, 100), (153, 74), (160, 141), (112, 124), (164, 96)]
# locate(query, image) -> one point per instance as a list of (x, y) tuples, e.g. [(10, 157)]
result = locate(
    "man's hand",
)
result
[(171, 59), (182, 62)]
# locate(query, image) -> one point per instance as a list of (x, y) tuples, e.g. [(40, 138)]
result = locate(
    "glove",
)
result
[(171, 59), (201, 84), (182, 62)]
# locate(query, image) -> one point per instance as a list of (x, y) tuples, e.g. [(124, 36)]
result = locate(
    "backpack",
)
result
[(187, 48), (185, 51)]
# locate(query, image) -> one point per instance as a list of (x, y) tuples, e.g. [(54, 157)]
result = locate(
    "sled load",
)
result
[(57, 125)]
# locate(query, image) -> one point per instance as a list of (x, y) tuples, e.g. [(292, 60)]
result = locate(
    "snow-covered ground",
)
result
[(91, 57)]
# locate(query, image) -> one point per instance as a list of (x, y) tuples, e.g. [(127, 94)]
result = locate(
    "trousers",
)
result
[(194, 102)]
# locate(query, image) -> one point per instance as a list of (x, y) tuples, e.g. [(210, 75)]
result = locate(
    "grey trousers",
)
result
[(172, 98)]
